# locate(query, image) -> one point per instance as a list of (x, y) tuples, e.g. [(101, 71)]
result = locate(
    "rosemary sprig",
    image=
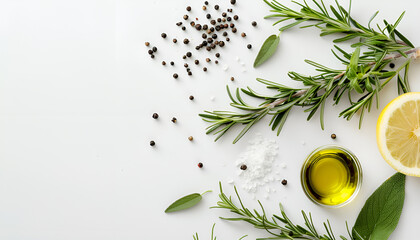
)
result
[(213, 237), (280, 227), (364, 74)]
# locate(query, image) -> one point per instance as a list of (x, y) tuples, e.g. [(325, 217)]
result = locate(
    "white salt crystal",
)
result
[(212, 98), (225, 67)]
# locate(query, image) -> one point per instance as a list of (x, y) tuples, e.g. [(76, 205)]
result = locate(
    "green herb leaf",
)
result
[(381, 212), (185, 202), (267, 49)]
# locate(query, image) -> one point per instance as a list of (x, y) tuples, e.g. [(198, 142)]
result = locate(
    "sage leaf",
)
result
[(382, 210), (267, 49), (185, 202)]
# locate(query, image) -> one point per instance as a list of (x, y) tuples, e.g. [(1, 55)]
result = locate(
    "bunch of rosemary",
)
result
[(363, 74)]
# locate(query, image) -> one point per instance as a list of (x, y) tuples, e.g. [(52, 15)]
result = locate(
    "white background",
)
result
[(77, 91)]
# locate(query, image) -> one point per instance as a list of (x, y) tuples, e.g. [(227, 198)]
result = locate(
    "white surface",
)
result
[(78, 89)]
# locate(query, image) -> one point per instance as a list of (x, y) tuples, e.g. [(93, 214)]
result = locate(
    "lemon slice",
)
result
[(398, 133)]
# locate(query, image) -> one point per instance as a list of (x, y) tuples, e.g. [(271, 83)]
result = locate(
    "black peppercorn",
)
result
[(150, 52), (221, 44), (254, 23), (235, 17), (232, 25), (172, 63), (217, 62), (197, 47), (219, 20), (175, 75), (391, 65), (249, 46), (284, 182), (163, 35), (225, 34), (212, 29), (191, 97), (189, 54), (290, 233), (204, 35), (218, 28), (190, 138), (232, 79), (174, 40), (200, 165), (229, 19), (204, 69), (147, 44), (214, 36), (183, 28), (192, 23), (333, 136), (204, 43), (185, 65), (154, 49), (216, 7), (204, 8), (229, 10), (174, 120), (186, 41), (234, 30), (196, 62), (205, 27), (208, 16), (232, 2), (189, 73), (179, 23), (188, 8), (163, 63), (213, 22), (207, 3), (243, 34), (209, 40), (227, 39), (208, 60), (213, 46), (152, 143), (185, 17), (198, 27), (208, 48), (152, 56), (243, 167), (155, 116)]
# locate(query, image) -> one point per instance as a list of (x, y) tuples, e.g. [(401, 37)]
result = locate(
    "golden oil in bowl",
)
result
[(331, 176)]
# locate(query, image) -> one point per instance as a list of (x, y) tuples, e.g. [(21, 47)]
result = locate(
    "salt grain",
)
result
[(225, 67)]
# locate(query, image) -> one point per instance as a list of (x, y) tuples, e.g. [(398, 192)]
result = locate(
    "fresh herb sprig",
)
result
[(377, 220), (213, 237), (364, 74)]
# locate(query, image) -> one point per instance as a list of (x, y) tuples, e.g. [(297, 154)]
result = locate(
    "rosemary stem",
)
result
[(282, 100)]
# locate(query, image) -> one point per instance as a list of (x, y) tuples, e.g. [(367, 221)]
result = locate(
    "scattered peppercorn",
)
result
[(214, 36), (200, 165), (207, 3), (185, 65), (172, 63), (154, 49), (218, 28), (221, 44), (208, 60), (198, 27), (163, 35), (216, 7), (217, 62), (189, 54), (224, 14), (163, 63), (204, 8), (243, 167), (234, 30), (196, 62), (284, 182), (192, 23), (232, 25), (213, 22), (229, 19), (179, 23), (174, 120), (191, 97), (189, 73), (243, 34), (230, 10), (175, 75), (152, 143), (188, 8), (190, 138), (333, 136), (147, 44), (227, 39), (208, 48), (208, 16), (186, 41), (152, 56), (204, 69), (232, 79), (183, 28), (174, 40), (219, 20), (235, 17), (254, 23), (225, 34), (212, 29), (204, 35), (205, 27), (232, 2), (392, 65), (185, 17), (150, 52), (217, 54), (290, 233), (155, 115), (249, 46)]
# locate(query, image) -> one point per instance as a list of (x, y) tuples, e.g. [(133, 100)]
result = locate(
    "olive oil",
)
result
[(331, 176)]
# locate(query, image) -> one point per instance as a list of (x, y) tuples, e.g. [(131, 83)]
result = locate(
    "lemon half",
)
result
[(398, 133)]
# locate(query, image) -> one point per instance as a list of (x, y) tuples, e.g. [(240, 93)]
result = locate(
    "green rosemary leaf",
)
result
[(185, 202), (381, 212), (267, 49), (404, 39), (371, 19)]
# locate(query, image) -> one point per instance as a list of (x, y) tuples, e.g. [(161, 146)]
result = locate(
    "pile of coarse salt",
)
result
[(259, 158)]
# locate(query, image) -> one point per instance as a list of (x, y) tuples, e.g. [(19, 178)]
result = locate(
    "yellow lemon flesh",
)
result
[(398, 133)]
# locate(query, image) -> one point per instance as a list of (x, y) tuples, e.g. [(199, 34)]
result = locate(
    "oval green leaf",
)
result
[(380, 214), (184, 202), (267, 49)]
